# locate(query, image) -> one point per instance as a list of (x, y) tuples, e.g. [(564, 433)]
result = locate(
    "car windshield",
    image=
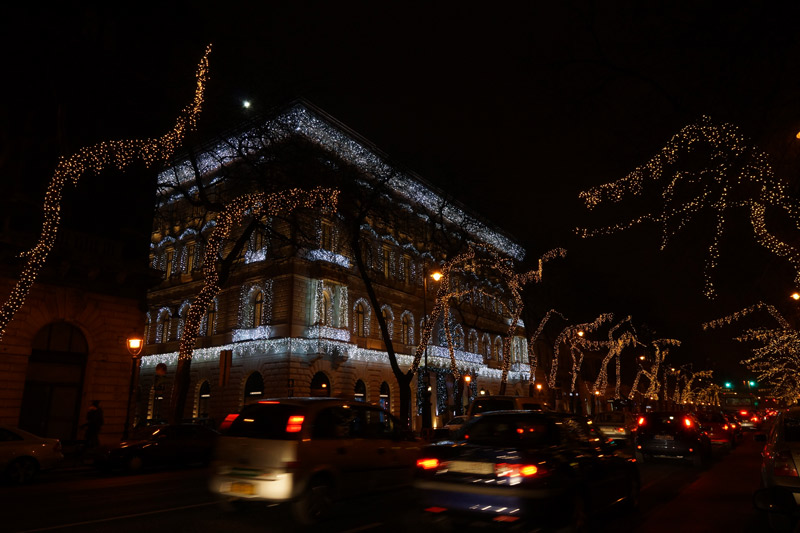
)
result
[(267, 421), (511, 430)]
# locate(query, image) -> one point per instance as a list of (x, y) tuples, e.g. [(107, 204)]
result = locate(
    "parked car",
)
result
[(455, 424), (780, 483), (618, 426), (23, 455), (483, 404), (672, 435), (309, 452), (162, 445), (533, 470), (720, 431)]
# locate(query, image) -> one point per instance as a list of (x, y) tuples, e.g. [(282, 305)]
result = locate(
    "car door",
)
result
[(393, 454), (333, 448)]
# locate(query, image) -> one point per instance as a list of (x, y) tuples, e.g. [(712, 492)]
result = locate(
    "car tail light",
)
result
[(784, 465), (428, 463), (754, 419), (688, 422), (271, 402), (295, 424), (515, 470), (725, 427), (743, 413), (641, 420), (228, 421)]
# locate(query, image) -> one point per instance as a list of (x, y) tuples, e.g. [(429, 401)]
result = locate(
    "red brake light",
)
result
[(514, 470), (743, 413), (295, 424), (268, 401), (228, 421), (641, 420), (428, 463), (725, 426), (688, 422)]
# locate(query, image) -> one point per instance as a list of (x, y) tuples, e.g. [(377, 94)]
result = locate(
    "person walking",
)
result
[(94, 421)]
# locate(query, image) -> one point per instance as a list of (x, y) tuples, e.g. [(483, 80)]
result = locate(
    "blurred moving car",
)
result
[(672, 435), (748, 418), (719, 429), (520, 468), (160, 446), (483, 404), (619, 426), (23, 455), (780, 492), (308, 452)]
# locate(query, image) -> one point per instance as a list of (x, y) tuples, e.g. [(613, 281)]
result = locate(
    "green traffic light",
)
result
[(728, 385)]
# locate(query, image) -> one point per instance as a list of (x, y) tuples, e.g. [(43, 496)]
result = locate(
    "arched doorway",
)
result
[(384, 397), (320, 385), (51, 400), (253, 388)]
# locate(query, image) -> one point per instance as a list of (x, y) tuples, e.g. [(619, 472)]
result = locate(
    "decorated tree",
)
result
[(95, 159)]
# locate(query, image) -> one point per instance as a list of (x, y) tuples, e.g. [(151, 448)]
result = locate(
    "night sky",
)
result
[(514, 110)]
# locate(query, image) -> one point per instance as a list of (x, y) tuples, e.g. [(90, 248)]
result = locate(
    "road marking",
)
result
[(111, 519)]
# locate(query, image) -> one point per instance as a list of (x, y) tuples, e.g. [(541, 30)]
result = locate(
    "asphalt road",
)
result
[(676, 498)]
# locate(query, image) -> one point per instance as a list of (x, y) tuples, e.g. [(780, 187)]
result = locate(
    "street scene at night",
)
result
[(343, 267)]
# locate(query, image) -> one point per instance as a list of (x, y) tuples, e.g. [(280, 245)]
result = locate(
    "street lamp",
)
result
[(427, 422), (134, 343)]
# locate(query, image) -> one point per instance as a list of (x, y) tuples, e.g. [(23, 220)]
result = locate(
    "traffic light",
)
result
[(752, 384), (728, 385)]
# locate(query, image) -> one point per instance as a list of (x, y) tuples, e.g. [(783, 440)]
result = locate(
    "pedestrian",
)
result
[(94, 421)]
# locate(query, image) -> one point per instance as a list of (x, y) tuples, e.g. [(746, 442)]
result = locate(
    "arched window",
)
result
[(253, 388), (203, 400), (497, 352), (384, 396), (163, 326), (320, 385), (169, 262), (360, 321), (189, 250), (360, 391), (258, 308), (458, 338), (406, 325), (211, 318)]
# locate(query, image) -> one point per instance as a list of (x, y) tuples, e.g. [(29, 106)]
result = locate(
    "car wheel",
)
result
[(22, 470), (315, 504)]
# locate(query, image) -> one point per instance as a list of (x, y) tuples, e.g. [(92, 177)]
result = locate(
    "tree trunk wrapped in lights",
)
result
[(95, 159)]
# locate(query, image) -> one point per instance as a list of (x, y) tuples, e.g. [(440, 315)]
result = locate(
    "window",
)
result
[(190, 250), (325, 318), (258, 308), (258, 240), (406, 269), (203, 399), (211, 316), (326, 239), (320, 385), (253, 388), (384, 401), (387, 261), (169, 259), (406, 330), (360, 324), (163, 327), (497, 351), (360, 391)]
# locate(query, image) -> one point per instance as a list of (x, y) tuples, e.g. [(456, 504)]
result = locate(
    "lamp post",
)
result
[(427, 422), (134, 343)]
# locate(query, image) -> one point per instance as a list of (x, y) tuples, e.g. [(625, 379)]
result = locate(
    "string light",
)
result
[(96, 159), (776, 360), (615, 348), (734, 175), (576, 343), (533, 359)]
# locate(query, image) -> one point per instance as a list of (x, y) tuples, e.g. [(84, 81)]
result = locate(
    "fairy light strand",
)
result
[(95, 159), (734, 175)]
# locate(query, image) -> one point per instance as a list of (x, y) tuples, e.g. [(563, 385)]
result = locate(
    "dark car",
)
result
[(672, 435), (720, 431), (161, 445), (539, 470), (780, 483)]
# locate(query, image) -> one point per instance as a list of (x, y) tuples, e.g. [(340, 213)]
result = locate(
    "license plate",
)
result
[(471, 467), (243, 488), (665, 437)]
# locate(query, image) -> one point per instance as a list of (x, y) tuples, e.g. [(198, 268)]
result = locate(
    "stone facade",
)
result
[(303, 322)]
